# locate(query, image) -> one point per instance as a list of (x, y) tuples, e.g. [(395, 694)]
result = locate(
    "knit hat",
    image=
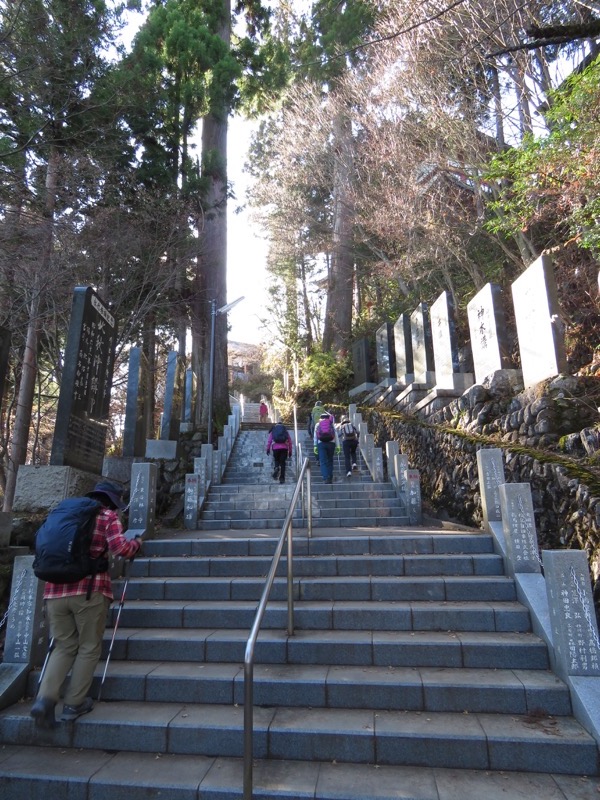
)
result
[(325, 415)]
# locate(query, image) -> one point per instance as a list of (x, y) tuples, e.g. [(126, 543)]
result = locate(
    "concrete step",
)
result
[(387, 688), (324, 565), (467, 649), (351, 587), (31, 772), (340, 615), (401, 738), (423, 543)]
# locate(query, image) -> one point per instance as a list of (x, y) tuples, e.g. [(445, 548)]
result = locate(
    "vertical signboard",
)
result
[(83, 403)]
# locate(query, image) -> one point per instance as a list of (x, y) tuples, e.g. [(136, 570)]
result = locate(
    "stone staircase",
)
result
[(412, 665), (249, 498)]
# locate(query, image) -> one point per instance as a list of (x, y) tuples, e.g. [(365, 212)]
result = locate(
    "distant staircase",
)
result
[(248, 497)]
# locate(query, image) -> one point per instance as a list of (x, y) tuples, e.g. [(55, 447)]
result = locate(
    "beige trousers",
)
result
[(77, 626)]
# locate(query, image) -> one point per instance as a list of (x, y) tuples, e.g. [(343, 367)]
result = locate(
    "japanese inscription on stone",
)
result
[(572, 616), (491, 476), (539, 328), (142, 509), (487, 325), (83, 404), (518, 524)]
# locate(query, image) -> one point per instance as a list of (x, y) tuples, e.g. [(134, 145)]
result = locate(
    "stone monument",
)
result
[(572, 615), (173, 406), (518, 524), (539, 327), (422, 346), (83, 404), (405, 371), (386, 354), (445, 347), (135, 433), (361, 363), (487, 326)]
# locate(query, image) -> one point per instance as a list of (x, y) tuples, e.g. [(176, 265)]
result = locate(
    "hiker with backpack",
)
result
[(326, 444), (77, 595), (280, 442), (263, 411), (315, 416), (349, 436)]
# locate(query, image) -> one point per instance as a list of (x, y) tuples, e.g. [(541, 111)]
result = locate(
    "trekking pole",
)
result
[(116, 625), (44, 665)]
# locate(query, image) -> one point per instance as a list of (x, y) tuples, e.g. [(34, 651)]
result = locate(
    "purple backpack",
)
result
[(326, 432)]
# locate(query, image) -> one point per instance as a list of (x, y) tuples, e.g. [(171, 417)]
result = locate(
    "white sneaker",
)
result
[(348, 474), (354, 467)]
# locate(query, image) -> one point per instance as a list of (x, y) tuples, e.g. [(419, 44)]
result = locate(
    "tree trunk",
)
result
[(20, 438), (338, 314), (211, 283)]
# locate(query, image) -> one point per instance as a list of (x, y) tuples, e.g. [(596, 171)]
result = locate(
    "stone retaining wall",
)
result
[(549, 440)]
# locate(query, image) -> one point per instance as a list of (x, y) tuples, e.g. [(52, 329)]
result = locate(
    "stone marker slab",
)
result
[(518, 524), (377, 465), (445, 346), (193, 498), (142, 506), (361, 362), (413, 497), (572, 615), (487, 326), (189, 403), (401, 469), (173, 405), (539, 327), (26, 636), (83, 404), (134, 430), (386, 353), (405, 370), (422, 345), (206, 452), (490, 467)]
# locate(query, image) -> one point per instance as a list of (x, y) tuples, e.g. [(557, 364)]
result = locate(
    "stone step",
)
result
[(219, 504), (467, 649), (30, 772), (369, 736), (318, 522), (324, 565), (339, 615), (351, 587), (387, 688), (392, 543)]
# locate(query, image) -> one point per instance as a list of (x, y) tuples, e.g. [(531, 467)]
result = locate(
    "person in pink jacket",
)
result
[(280, 442)]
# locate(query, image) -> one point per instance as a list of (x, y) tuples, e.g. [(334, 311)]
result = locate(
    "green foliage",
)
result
[(325, 374), (553, 181)]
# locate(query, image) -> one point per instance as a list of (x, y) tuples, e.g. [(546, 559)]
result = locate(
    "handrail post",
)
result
[(287, 530), (248, 727), (290, 582), (308, 501)]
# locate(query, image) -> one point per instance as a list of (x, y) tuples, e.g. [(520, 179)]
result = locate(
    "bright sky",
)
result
[(246, 250)]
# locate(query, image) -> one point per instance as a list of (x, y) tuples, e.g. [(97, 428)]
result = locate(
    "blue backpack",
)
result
[(62, 543), (279, 433)]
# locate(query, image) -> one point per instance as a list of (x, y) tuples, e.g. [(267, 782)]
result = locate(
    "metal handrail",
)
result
[(286, 531)]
